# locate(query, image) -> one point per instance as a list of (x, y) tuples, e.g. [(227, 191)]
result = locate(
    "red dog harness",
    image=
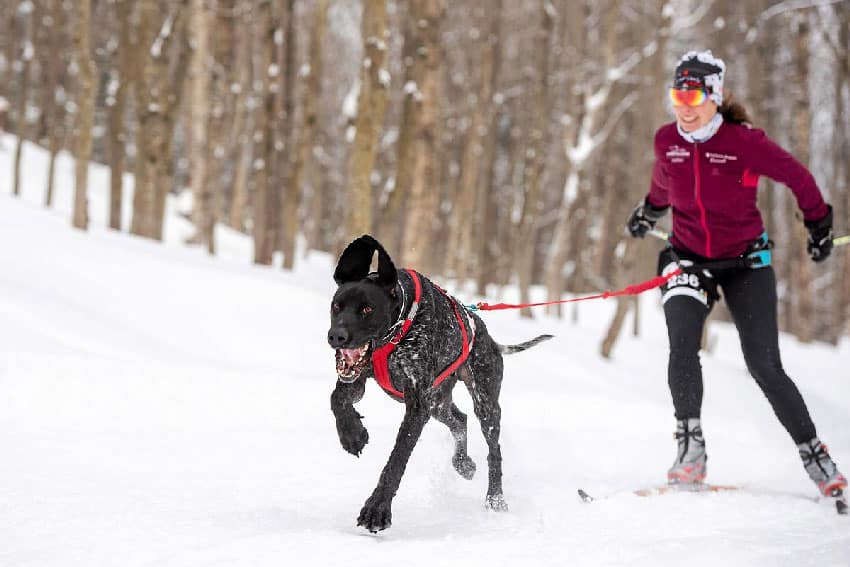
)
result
[(381, 355)]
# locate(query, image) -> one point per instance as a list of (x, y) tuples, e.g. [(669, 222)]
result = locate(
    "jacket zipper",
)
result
[(698, 194)]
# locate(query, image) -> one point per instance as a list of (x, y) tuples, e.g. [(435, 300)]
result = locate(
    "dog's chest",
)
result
[(438, 340)]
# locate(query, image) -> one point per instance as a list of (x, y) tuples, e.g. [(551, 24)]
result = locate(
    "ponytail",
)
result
[(734, 112)]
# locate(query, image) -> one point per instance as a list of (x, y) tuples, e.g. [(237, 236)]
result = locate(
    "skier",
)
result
[(707, 165)]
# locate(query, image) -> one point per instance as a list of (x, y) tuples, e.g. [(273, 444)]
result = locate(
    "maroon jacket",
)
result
[(712, 187)]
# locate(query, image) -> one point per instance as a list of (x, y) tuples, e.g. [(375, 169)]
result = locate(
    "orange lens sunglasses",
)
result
[(689, 97)]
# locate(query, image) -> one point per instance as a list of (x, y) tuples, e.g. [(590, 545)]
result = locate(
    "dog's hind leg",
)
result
[(486, 403), (448, 414)]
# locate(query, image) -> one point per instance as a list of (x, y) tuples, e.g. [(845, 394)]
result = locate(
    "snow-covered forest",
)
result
[(159, 407), (178, 177), (494, 142)]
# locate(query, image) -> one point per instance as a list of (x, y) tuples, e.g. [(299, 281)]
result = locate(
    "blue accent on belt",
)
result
[(761, 257)]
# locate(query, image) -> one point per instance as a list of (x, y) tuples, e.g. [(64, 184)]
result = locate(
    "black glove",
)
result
[(643, 219), (820, 237)]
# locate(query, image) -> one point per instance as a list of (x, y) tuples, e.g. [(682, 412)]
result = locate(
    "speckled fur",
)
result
[(431, 345)]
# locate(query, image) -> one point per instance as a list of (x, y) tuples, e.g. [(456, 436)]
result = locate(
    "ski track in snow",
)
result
[(162, 408)]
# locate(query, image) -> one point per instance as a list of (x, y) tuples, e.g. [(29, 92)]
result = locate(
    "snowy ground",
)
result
[(162, 408)]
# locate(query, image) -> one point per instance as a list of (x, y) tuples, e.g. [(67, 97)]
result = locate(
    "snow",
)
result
[(162, 407)]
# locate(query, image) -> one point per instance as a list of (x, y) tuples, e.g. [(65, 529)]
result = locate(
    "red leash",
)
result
[(655, 282)]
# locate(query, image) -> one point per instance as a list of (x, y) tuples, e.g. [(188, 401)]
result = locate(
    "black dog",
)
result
[(417, 342)]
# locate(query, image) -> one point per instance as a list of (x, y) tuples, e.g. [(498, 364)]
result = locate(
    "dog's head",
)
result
[(364, 306)]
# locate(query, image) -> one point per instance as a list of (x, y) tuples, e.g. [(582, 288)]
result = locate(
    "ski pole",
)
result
[(660, 234)]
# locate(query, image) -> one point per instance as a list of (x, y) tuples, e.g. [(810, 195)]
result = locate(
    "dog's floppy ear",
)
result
[(354, 263)]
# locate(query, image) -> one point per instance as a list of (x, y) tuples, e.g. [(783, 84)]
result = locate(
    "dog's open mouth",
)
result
[(350, 362)]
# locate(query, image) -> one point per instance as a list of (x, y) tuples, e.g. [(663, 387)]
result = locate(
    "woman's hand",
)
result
[(643, 219), (819, 245)]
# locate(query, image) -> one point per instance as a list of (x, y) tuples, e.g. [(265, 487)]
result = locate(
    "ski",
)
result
[(684, 487), (838, 495), (666, 489)]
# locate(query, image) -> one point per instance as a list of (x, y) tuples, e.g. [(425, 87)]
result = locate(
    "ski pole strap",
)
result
[(653, 283)]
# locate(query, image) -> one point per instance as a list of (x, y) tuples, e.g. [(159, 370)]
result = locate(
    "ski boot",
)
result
[(821, 467), (689, 466)]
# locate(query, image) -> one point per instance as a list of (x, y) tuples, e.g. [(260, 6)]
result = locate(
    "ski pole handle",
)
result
[(841, 240), (662, 234)]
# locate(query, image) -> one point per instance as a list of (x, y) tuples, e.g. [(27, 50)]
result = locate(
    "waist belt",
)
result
[(757, 255)]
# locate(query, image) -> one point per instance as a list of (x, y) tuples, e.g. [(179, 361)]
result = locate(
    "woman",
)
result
[(707, 167)]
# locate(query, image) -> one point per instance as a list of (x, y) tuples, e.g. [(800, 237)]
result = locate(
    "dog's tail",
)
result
[(511, 349)]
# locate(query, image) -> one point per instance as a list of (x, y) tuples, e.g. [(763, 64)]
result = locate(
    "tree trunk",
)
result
[(225, 89), (157, 99), (388, 225), (121, 78), (86, 92), (242, 120), (53, 113), (534, 160), (285, 143), (487, 250), (23, 94), (632, 259), (203, 215), (172, 89), (147, 123), (374, 83), (574, 45), (801, 281), (12, 43), (311, 94), (264, 203), (423, 193), (466, 217)]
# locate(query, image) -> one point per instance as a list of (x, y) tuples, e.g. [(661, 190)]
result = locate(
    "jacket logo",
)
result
[(677, 154), (720, 158)]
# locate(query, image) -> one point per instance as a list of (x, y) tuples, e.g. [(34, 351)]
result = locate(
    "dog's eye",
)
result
[(366, 310), (335, 307)]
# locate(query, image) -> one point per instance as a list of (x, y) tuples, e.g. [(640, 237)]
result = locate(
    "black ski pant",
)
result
[(750, 295)]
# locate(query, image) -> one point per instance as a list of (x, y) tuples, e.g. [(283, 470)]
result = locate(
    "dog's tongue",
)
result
[(351, 355)]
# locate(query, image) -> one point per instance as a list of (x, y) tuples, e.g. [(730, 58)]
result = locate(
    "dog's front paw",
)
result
[(353, 438), (376, 514), (496, 502)]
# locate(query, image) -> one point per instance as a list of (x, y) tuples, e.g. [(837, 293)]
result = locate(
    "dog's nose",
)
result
[(338, 337)]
